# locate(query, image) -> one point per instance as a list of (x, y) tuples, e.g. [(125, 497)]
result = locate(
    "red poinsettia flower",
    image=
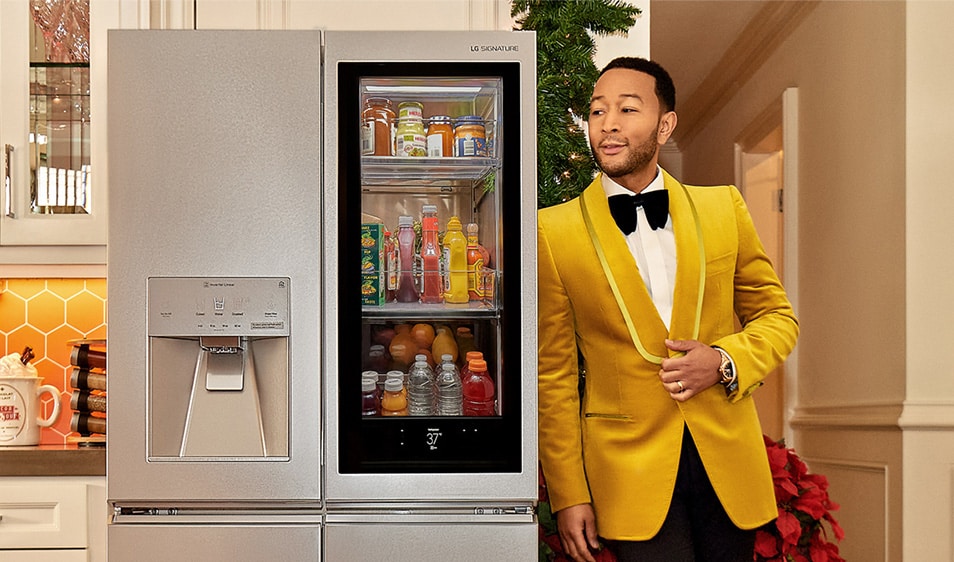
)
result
[(803, 505)]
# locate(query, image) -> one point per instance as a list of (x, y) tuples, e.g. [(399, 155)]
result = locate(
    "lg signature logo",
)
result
[(494, 48)]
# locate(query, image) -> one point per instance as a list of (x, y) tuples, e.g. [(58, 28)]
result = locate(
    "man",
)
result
[(664, 457)]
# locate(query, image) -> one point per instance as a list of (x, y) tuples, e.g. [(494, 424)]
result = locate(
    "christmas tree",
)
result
[(565, 78)]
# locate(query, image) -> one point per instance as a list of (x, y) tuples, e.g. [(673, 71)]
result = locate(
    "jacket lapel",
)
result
[(622, 265), (688, 269)]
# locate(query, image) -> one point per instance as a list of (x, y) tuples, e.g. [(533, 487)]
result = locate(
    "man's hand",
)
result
[(577, 527), (691, 373)]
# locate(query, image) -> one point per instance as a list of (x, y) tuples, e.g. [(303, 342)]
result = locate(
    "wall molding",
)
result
[(770, 26), (906, 415)]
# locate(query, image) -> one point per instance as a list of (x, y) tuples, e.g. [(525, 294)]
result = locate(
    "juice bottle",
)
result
[(475, 263), (455, 263), (406, 286), (370, 405), (393, 403), (433, 288), (444, 343), (479, 391), (465, 343)]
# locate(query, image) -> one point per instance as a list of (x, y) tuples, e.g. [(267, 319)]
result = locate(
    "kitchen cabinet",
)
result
[(54, 194), (53, 518)]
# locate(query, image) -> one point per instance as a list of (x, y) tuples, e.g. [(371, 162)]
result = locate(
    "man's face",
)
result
[(625, 125)]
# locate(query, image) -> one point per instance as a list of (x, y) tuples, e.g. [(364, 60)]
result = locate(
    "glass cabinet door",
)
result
[(51, 150)]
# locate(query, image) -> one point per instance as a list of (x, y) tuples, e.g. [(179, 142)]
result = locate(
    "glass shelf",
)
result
[(384, 170), (414, 310)]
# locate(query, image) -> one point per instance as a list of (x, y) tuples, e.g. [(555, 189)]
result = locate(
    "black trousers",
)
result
[(697, 528)]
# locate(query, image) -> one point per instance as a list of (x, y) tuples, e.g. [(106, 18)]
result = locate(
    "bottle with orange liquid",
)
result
[(393, 403), (475, 265)]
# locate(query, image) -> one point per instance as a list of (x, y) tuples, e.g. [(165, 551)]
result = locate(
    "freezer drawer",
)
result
[(214, 543), (429, 541)]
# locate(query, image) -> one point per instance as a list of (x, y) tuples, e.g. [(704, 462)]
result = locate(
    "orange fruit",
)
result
[(423, 335)]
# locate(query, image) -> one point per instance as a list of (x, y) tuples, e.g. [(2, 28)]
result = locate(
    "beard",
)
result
[(637, 158)]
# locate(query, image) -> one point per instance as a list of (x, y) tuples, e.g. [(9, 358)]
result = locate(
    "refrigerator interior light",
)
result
[(451, 90)]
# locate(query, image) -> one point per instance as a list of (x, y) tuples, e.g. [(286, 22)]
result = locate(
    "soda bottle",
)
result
[(479, 392), (370, 405), (420, 388), (393, 403), (433, 289), (406, 285), (475, 264), (449, 392), (455, 263)]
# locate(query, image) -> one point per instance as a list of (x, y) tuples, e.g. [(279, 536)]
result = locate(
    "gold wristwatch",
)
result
[(727, 373)]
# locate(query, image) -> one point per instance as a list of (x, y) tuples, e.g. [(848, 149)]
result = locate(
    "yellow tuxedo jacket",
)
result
[(619, 449)]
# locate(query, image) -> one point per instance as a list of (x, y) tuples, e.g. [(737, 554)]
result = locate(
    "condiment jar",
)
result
[(471, 136), (440, 136), (410, 139), (376, 133)]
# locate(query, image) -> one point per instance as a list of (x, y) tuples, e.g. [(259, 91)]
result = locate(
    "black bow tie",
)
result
[(655, 203)]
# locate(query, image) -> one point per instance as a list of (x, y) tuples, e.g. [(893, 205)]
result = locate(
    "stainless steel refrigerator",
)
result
[(255, 181)]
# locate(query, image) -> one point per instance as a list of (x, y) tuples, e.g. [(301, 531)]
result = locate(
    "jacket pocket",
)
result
[(606, 416)]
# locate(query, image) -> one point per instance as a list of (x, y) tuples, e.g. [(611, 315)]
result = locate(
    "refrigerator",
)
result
[(258, 182)]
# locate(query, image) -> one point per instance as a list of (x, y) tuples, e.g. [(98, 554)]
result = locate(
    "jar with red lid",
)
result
[(376, 119)]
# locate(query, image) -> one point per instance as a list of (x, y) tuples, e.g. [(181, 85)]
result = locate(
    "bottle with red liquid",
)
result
[(406, 286), (433, 287), (479, 390), (370, 403)]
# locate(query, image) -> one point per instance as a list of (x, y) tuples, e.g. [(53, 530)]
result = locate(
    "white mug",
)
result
[(20, 410)]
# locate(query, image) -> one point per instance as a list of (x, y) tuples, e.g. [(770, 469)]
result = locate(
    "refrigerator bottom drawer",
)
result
[(213, 543), (430, 542)]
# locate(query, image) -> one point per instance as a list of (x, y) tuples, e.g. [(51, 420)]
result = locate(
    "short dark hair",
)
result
[(665, 89)]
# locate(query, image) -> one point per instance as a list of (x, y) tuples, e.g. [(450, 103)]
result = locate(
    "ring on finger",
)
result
[(681, 387)]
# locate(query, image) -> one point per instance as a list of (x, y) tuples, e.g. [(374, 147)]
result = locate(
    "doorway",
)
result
[(766, 173)]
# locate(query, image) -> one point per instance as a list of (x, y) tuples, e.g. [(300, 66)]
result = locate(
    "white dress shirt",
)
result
[(653, 250)]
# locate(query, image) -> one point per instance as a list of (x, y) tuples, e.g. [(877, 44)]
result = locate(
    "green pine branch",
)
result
[(565, 77)]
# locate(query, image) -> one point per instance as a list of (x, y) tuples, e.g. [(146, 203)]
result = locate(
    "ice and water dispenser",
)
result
[(218, 367)]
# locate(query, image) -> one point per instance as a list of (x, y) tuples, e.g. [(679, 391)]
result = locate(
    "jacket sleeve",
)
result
[(769, 326), (560, 432)]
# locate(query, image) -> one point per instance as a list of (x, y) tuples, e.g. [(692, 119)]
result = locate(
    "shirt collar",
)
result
[(612, 188)]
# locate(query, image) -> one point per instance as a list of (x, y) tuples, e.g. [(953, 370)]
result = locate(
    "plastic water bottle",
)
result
[(449, 390), (420, 388)]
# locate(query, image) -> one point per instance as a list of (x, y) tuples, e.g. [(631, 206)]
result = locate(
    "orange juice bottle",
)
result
[(393, 403)]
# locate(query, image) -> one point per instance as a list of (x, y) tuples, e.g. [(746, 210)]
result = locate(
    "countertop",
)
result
[(53, 460)]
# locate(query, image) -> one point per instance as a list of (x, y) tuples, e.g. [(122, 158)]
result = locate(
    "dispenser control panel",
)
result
[(219, 306)]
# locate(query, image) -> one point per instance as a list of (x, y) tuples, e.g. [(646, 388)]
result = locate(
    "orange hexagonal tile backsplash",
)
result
[(46, 314)]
